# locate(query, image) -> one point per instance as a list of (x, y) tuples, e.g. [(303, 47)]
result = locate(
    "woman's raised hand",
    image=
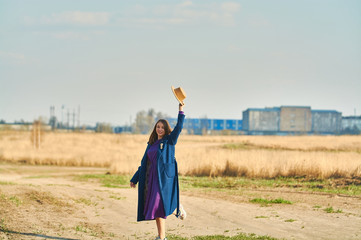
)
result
[(132, 185), (181, 107)]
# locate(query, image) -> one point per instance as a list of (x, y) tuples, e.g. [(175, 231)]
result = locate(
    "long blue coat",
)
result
[(167, 173)]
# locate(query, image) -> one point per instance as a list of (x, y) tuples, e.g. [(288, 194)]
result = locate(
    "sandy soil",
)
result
[(42, 202)]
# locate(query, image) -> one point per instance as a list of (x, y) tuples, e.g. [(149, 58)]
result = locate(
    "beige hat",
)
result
[(179, 94)]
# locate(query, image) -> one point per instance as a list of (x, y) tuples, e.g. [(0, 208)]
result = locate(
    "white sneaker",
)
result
[(182, 213), (158, 238)]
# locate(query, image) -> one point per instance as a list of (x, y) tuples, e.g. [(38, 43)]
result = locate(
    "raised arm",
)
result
[(173, 137)]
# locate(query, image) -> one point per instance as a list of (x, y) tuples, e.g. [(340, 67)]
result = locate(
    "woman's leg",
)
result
[(161, 227)]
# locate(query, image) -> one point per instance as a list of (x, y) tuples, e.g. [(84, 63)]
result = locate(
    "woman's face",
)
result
[(160, 130)]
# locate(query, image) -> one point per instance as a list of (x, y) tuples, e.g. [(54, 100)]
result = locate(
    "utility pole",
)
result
[(73, 118), (67, 125), (52, 121), (62, 115), (79, 116)]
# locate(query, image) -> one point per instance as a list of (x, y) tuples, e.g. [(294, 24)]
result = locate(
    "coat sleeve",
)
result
[(135, 177), (173, 136)]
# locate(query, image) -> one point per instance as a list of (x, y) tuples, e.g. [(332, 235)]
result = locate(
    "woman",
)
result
[(158, 190)]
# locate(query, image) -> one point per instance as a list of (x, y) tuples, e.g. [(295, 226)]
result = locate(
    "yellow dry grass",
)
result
[(250, 156)]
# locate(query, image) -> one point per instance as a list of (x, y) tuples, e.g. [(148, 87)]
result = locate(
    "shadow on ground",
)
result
[(37, 235)]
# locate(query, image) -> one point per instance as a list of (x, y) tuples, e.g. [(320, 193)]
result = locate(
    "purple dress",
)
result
[(153, 207)]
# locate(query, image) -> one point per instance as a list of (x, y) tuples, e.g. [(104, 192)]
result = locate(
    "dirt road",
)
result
[(42, 202)]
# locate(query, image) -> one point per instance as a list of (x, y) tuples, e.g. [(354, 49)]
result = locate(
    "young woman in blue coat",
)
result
[(158, 190)]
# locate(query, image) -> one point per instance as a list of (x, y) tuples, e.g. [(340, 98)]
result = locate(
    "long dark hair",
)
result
[(154, 136)]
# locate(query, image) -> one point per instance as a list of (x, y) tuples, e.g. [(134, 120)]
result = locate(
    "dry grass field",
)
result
[(249, 156), (74, 197)]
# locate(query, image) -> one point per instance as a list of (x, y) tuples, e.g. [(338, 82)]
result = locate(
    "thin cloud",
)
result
[(12, 56), (221, 14), (185, 4), (81, 18), (160, 16), (72, 18), (184, 13), (230, 7), (70, 36)]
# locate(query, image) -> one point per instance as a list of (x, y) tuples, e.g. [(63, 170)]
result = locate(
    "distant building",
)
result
[(295, 119), (200, 126), (326, 122), (351, 125), (261, 120), (122, 129), (291, 120)]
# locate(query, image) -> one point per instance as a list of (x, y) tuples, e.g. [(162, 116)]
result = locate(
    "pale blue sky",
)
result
[(115, 58)]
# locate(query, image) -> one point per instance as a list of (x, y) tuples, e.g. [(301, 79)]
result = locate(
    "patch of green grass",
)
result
[(332, 186), (107, 180), (316, 206), (61, 227), (290, 220), (15, 200), (246, 145), (239, 146), (60, 185), (80, 228), (116, 197), (266, 202), (3, 226), (331, 210), (7, 183), (207, 182), (347, 190), (261, 217), (84, 228), (85, 201), (2, 196), (37, 231)]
